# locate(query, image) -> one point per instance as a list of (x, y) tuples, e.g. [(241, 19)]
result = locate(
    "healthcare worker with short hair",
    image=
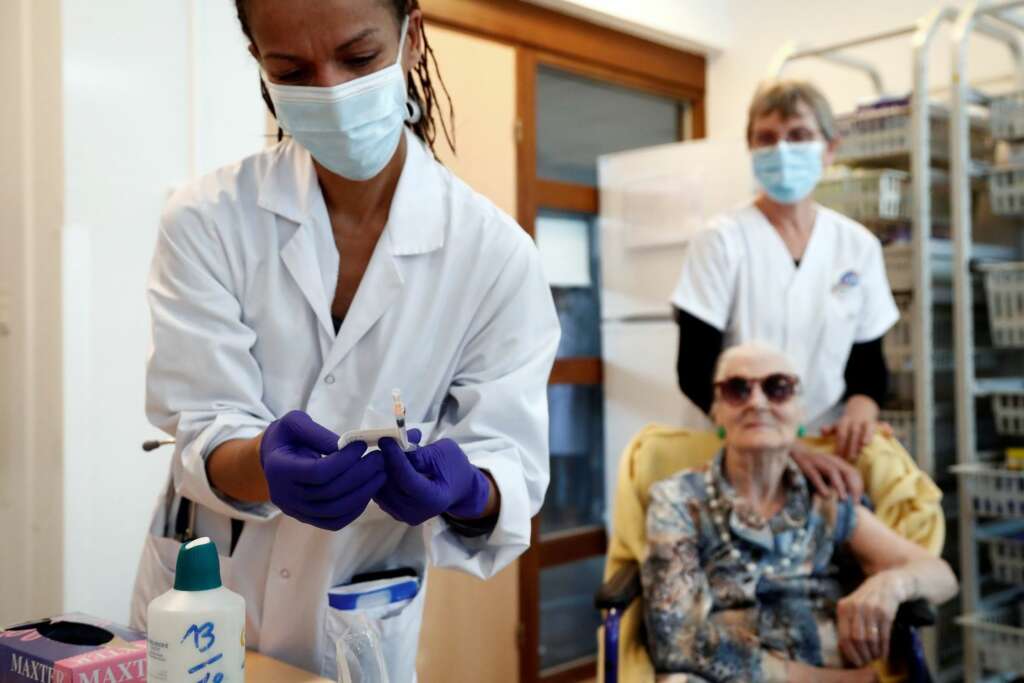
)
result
[(790, 272), (292, 292)]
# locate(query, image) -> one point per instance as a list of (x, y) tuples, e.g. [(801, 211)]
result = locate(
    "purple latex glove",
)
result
[(430, 480), (326, 492)]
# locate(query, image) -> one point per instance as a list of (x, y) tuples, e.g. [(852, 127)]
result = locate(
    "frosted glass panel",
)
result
[(568, 246), (564, 243), (576, 493), (568, 618), (579, 119)]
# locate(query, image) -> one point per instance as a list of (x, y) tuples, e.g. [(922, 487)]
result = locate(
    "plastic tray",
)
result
[(1006, 114), (883, 133), (995, 491), (874, 196), (898, 342), (1004, 293), (998, 637), (904, 424), (1007, 557), (1006, 190)]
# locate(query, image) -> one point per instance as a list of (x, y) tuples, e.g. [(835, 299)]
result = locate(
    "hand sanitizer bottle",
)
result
[(196, 631)]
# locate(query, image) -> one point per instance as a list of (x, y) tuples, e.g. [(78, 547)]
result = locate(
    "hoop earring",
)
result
[(413, 112)]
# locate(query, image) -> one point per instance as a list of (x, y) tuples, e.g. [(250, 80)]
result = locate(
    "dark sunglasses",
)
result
[(777, 388)]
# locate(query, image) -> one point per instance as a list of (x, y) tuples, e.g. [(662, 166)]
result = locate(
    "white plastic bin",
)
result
[(1007, 557), (995, 491), (897, 344), (1004, 293), (904, 427), (999, 639), (1006, 114), (873, 135)]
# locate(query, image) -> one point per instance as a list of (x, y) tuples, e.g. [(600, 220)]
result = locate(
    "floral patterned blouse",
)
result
[(729, 596)]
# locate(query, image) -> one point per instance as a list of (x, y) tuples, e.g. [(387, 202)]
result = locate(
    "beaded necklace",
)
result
[(720, 509)]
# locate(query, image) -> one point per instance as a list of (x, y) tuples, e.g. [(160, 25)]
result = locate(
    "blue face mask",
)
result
[(352, 129), (788, 171)]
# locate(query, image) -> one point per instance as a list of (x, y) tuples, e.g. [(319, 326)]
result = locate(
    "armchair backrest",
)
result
[(904, 497)]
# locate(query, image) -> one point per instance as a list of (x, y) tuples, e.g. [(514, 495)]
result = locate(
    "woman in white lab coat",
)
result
[(790, 272), (317, 276)]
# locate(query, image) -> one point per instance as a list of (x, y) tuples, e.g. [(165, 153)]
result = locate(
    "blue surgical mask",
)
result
[(788, 171), (354, 128)]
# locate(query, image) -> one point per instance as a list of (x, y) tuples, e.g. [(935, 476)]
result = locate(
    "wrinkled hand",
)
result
[(430, 480), (326, 492), (856, 428), (827, 473), (864, 618)]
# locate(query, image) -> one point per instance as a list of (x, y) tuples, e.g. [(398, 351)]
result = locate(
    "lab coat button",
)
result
[(329, 379), (285, 574)]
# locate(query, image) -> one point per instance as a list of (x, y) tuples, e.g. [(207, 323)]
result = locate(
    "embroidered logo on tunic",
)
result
[(848, 281)]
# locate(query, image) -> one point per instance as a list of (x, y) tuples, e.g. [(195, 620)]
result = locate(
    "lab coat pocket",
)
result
[(396, 627), (155, 576), (157, 568)]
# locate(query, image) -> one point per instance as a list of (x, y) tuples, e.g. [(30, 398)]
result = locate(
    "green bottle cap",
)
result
[(198, 568)]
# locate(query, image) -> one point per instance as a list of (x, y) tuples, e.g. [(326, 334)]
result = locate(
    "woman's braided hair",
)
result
[(421, 83)]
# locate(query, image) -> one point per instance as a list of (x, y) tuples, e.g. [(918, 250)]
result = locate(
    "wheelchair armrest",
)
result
[(620, 590), (916, 613)]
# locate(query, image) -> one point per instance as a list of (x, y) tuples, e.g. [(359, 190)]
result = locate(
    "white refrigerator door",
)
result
[(640, 387), (652, 201)]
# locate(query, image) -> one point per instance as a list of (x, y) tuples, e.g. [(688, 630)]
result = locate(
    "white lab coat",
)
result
[(453, 309), (739, 277)]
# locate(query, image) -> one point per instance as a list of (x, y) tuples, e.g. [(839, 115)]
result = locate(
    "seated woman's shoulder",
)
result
[(686, 483)]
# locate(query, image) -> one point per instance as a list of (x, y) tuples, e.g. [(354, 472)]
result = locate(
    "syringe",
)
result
[(396, 398)]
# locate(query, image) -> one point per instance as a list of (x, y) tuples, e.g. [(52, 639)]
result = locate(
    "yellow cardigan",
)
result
[(905, 499)]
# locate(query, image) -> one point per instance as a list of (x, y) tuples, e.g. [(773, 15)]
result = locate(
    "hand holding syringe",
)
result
[(372, 436)]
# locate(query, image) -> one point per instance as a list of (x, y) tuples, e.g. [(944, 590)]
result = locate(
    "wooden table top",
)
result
[(262, 669)]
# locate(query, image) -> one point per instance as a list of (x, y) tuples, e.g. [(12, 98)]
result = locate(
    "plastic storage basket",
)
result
[(1006, 114), (875, 134), (904, 426), (1007, 557), (880, 195), (995, 491), (1006, 190), (1009, 413), (867, 195), (999, 638), (899, 261), (1004, 292), (898, 342)]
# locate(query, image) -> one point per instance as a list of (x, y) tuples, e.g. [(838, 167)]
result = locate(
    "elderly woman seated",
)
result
[(738, 579)]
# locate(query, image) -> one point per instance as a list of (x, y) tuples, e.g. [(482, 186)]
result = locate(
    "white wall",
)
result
[(703, 26), (740, 38), (155, 93), (760, 28)]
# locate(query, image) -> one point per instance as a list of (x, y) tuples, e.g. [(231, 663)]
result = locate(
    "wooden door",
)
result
[(470, 626)]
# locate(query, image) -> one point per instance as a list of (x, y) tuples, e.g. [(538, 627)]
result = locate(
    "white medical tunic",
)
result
[(739, 277), (453, 309)]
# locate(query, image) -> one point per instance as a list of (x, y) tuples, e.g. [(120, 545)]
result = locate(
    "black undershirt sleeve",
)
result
[(866, 372), (700, 345)]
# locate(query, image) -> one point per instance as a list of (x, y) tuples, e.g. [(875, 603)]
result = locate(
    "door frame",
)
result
[(31, 351), (545, 37)]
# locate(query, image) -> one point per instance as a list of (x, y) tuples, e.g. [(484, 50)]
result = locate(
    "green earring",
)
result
[(801, 432), (721, 433)]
